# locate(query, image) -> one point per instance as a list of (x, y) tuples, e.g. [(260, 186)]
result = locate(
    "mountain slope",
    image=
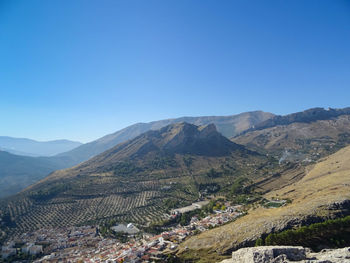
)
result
[(304, 136), (131, 181), (227, 125), (324, 192), (18, 172), (307, 116), (28, 147)]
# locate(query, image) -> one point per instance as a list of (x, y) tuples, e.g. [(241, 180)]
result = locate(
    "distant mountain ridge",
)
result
[(229, 126), (28, 147), (18, 172), (303, 136), (307, 116)]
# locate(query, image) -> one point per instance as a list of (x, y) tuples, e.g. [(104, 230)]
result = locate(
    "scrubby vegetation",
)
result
[(161, 162), (242, 192), (48, 193), (124, 169), (170, 203), (212, 173), (329, 234), (185, 218)]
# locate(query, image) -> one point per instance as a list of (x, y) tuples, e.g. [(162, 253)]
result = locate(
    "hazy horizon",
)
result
[(107, 133)]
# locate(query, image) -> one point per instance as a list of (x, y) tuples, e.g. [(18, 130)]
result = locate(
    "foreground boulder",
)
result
[(285, 254)]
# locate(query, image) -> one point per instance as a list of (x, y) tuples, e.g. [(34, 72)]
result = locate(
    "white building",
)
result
[(35, 250), (32, 249)]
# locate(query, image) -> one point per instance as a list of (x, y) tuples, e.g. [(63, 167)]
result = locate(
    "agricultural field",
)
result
[(140, 203), (96, 199)]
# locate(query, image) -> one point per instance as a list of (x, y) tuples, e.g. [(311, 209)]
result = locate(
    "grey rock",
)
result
[(276, 254), (333, 255), (286, 254)]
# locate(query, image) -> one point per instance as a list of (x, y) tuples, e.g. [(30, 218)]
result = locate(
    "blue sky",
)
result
[(81, 69)]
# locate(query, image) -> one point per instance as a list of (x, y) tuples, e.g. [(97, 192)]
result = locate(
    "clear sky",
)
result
[(82, 69)]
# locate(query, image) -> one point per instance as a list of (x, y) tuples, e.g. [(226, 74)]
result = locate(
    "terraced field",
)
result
[(139, 206), (97, 199)]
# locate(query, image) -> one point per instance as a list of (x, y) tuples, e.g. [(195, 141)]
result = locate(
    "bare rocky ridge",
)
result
[(285, 254), (300, 141), (307, 116)]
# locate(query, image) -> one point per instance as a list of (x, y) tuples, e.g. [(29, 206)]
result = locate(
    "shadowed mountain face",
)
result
[(227, 125), (27, 147), (177, 162), (18, 172)]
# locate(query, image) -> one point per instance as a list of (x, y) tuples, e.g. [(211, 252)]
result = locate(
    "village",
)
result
[(85, 243)]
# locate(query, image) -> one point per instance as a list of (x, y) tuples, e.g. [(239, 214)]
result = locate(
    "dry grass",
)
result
[(326, 183)]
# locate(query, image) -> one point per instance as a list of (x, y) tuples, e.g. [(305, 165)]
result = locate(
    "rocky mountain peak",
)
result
[(185, 138), (179, 138)]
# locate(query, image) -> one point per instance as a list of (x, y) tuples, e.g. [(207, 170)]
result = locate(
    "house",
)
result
[(35, 250), (32, 249)]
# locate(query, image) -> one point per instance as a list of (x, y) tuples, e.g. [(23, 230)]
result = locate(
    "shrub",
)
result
[(331, 233)]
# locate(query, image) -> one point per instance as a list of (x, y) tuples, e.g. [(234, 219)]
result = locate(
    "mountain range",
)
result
[(307, 116), (303, 136), (228, 125)]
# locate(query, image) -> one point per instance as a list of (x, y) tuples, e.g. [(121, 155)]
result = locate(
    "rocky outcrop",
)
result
[(306, 116), (285, 254)]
